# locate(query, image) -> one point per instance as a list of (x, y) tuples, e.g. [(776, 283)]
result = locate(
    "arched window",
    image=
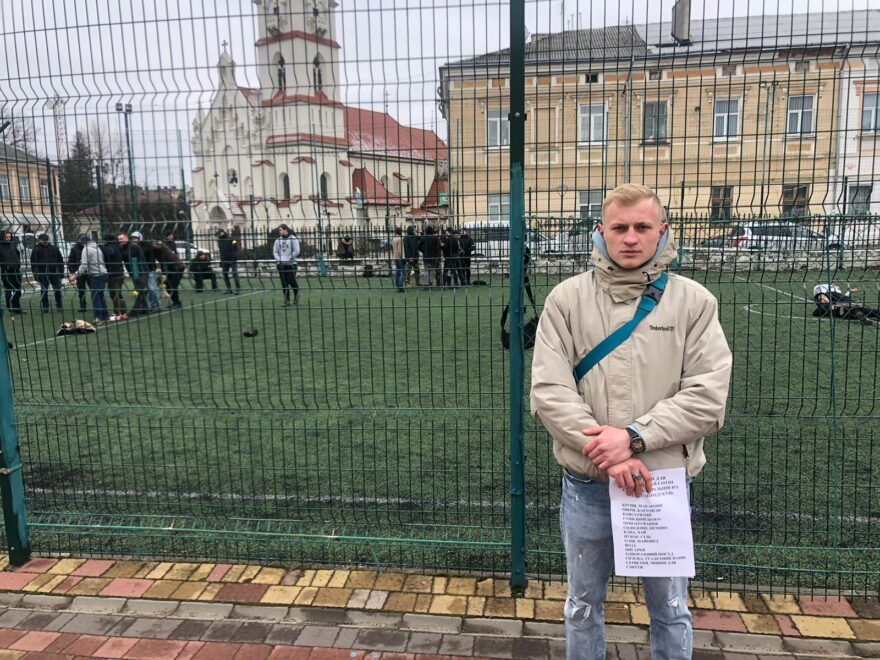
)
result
[(285, 187), (325, 186), (280, 72), (317, 75)]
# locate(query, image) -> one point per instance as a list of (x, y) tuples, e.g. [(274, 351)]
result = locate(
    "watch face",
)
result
[(637, 445)]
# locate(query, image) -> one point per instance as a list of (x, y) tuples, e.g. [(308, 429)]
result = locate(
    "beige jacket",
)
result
[(397, 247), (670, 378)]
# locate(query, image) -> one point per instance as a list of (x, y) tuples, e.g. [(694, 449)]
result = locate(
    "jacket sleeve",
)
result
[(276, 253), (555, 400), (697, 408), (295, 253)]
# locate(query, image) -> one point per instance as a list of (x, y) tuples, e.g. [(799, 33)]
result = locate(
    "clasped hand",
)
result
[(609, 450)]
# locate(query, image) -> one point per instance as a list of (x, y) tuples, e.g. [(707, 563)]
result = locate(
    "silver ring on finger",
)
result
[(638, 476)]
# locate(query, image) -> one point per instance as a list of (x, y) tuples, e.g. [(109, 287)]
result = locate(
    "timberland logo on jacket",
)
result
[(663, 328)]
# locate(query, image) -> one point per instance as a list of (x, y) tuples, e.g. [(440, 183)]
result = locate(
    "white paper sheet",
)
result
[(652, 533)]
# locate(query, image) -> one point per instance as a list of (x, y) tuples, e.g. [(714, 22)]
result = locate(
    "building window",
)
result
[(721, 202), (800, 115), (655, 121), (871, 113), (325, 187), (591, 123), (285, 187), (44, 191), (280, 73), (590, 204), (796, 199), (499, 207), (655, 74), (317, 76), (498, 128), (591, 78), (860, 199), (24, 189), (726, 119), (4, 187)]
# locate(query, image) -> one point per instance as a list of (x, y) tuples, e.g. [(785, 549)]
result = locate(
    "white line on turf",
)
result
[(119, 324)]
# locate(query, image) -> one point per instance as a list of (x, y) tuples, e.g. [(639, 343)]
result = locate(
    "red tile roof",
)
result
[(373, 192), (252, 96), (318, 98), (432, 199), (294, 138), (379, 133)]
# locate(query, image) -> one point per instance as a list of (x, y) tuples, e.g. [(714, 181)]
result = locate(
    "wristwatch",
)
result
[(636, 442)]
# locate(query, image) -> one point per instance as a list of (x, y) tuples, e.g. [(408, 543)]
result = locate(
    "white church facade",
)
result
[(292, 152)]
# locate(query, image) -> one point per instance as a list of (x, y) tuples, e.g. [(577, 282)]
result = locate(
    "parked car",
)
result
[(781, 237), (492, 239), (183, 246), (576, 239)]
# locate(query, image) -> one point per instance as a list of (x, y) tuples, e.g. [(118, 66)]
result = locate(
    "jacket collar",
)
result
[(625, 284)]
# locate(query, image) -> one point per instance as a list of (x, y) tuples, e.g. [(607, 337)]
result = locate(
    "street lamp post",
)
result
[(126, 110)]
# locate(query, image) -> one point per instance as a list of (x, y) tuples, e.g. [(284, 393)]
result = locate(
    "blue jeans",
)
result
[(399, 276), (153, 286), (585, 519), (97, 283)]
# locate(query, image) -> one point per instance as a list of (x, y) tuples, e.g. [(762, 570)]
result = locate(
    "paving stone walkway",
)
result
[(65, 608)]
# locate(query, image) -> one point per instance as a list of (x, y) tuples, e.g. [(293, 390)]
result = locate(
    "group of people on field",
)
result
[(445, 256)]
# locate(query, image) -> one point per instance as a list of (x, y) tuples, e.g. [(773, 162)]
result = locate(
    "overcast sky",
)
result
[(159, 55)]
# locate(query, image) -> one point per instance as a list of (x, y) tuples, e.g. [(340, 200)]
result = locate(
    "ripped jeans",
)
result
[(585, 519)]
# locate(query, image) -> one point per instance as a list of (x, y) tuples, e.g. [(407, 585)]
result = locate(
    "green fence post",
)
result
[(11, 481), (517, 118)]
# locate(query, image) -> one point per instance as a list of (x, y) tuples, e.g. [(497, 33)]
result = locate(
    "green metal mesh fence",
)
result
[(367, 426)]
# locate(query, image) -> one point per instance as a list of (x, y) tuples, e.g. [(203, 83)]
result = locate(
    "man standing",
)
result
[(74, 258), (172, 269), (47, 265), (647, 405), (451, 250), (10, 269), (150, 267), (411, 254), (133, 258), (229, 249), (466, 244), (429, 246), (285, 251), (92, 266), (399, 273), (115, 277)]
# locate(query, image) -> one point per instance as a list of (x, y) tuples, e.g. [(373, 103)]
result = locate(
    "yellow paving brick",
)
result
[(621, 594), (4, 562), (461, 586), (306, 596), (321, 578), (305, 580), (702, 600), (639, 614), (454, 605), (66, 566), (400, 601), (210, 592), (39, 581), (124, 569), (502, 588), (202, 572), (548, 610), (500, 608), (181, 571), (823, 626), (330, 597), (761, 624), (248, 574), (146, 569), (189, 591), (390, 582), (159, 572), (279, 595), (162, 589), (233, 573), (439, 586), (269, 576), (88, 587), (339, 579), (724, 600), (11, 655), (423, 603), (555, 590), (476, 605), (525, 608), (866, 630), (616, 613), (778, 604), (361, 580), (420, 584), (534, 590), (51, 584), (486, 587)]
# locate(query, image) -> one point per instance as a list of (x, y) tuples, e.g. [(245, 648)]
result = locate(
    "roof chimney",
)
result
[(681, 21)]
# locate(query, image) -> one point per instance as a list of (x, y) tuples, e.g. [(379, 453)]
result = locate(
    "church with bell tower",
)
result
[(290, 151)]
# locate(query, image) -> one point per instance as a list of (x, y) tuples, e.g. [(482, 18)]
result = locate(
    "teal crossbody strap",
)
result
[(650, 298)]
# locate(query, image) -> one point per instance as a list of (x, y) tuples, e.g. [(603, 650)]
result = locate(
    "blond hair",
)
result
[(630, 194)]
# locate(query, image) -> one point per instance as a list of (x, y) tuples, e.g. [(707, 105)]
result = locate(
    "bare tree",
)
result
[(107, 149), (20, 132)]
